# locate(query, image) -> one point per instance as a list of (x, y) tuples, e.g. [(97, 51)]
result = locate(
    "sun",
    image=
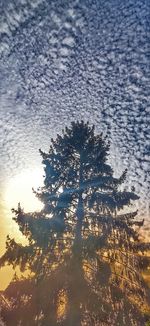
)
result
[(19, 189)]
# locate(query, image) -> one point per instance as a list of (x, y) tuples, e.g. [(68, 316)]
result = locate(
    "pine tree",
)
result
[(84, 249)]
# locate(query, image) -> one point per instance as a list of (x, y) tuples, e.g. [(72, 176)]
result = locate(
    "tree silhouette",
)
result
[(83, 251)]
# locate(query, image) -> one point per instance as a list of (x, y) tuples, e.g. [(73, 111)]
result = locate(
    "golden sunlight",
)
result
[(19, 189)]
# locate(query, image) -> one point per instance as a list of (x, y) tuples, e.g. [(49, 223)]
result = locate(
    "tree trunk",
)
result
[(75, 299), (79, 212)]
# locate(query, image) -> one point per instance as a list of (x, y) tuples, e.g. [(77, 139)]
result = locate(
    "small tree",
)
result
[(83, 251)]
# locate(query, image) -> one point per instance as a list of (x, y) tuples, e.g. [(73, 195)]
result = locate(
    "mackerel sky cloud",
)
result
[(66, 60)]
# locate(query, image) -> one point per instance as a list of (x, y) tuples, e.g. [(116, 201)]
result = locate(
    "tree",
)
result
[(83, 249)]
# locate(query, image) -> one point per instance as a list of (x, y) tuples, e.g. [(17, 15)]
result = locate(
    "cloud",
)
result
[(86, 59)]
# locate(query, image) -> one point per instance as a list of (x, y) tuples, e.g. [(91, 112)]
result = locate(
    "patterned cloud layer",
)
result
[(65, 60)]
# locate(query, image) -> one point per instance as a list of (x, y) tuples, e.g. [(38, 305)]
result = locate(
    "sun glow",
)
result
[(19, 189)]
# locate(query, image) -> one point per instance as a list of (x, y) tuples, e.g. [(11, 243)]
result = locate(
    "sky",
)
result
[(68, 60)]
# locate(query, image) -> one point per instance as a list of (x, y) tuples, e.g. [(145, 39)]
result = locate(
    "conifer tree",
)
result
[(83, 249)]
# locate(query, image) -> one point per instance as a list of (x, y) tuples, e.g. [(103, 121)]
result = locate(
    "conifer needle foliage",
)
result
[(83, 252)]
